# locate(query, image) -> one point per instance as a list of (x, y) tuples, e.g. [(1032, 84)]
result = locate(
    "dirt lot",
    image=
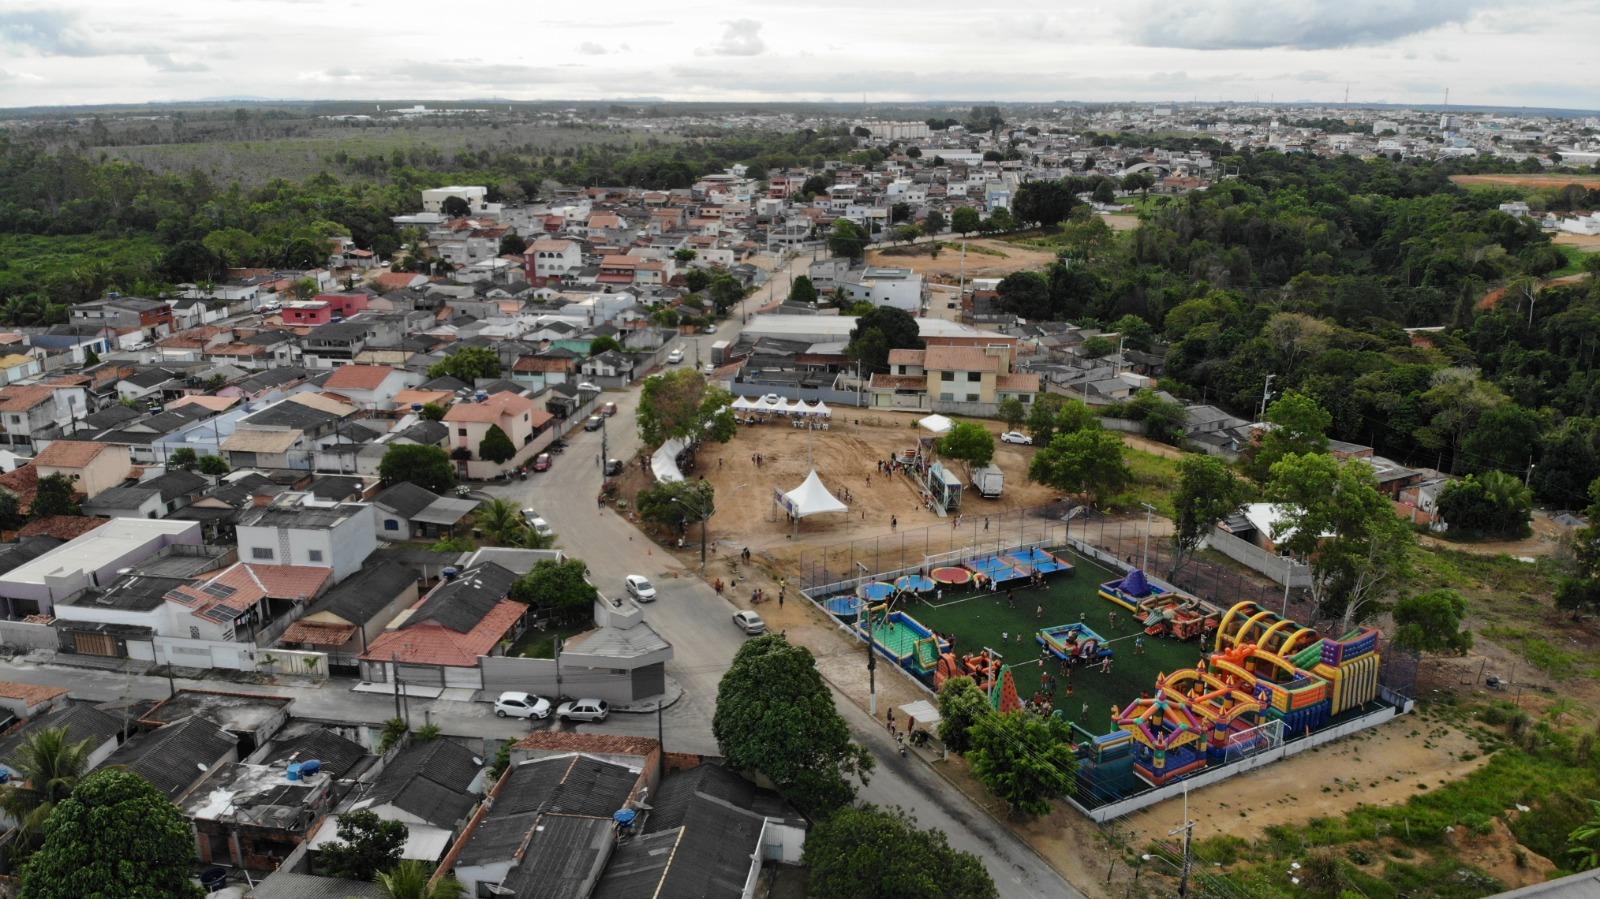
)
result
[(1590, 242), (985, 259), (1120, 221), (845, 457), (1514, 180)]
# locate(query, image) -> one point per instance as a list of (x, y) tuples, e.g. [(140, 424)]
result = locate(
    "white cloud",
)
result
[(1304, 25), (590, 48), (742, 37)]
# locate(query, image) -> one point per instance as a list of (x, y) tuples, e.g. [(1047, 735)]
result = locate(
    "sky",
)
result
[(1486, 52)]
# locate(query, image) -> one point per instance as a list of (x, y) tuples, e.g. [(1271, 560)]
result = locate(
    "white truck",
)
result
[(989, 481)]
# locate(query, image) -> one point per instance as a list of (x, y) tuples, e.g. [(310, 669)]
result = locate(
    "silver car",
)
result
[(750, 622), (583, 710)]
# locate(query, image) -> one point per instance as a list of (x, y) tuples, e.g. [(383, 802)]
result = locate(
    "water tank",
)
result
[(213, 879), (481, 395), (310, 767), (451, 572), (294, 771), (624, 817), (416, 407)]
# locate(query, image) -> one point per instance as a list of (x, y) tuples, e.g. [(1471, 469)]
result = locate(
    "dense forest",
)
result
[(1311, 270)]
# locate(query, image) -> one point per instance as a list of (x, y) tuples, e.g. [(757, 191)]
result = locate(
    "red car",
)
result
[(541, 462)]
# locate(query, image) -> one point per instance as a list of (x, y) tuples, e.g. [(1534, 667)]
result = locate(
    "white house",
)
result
[(477, 198), (897, 287), (300, 530)]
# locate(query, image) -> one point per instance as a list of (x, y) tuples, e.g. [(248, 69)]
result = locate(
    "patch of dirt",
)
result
[(1381, 766), (985, 259), (1120, 221), (1496, 853), (1582, 241), (1546, 538), (1493, 297), (1539, 180)]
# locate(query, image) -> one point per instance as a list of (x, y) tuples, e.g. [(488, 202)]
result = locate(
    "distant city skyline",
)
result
[(1506, 53)]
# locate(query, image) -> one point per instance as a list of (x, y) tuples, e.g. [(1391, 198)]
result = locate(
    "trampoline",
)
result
[(877, 591), (951, 575), (845, 606), (913, 583), (995, 568)]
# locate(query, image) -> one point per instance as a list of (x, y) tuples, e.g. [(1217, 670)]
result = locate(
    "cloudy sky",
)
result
[(1491, 52)]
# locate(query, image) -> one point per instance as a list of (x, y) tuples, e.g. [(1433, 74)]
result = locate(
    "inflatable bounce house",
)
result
[(1073, 641), (898, 636), (1265, 669), (983, 667)]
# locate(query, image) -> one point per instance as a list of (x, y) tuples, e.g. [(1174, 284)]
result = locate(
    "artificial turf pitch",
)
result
[(979, 619)]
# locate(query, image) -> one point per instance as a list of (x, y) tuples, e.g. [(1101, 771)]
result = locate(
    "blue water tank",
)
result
[(294, 771), (482, 395), (310, 767), (416, 407), (624, 817), (451, 572)]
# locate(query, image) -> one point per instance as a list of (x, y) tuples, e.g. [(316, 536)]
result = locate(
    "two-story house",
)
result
[(334, 344), (299, 530), (549, 257), (519, 417), (950, 377), (91, 466)]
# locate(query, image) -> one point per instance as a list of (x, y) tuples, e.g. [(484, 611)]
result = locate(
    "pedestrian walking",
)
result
[(1011, 598), (894, 522), (1004, 636), (780, 597), (986, 522), (889, 716), (1038, 612), (1138, 646), (1105, 665), (1085, 711)]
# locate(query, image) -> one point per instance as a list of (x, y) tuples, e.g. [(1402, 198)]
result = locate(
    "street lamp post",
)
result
[(1145, 559)]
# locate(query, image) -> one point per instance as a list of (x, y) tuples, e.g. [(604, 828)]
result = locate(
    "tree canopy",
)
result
[(846, 238), (868, 851), (467, 364), (1491, 504), (1089, 462), (682, 404), (561, 589), (1208, 491), (1432, 622), (114, 837), (1024, 759), (675, 503), (1299, 425), (878, 331), (968, 442), (366, 845), (426, 466), (496, 446), (775, 715)]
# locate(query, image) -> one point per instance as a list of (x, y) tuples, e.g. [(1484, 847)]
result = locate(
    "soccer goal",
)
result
[(1257, 739)]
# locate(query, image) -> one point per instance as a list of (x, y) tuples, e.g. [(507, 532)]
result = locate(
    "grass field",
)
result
[(979, 620)]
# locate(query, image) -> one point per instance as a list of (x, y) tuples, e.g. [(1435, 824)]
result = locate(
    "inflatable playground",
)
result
[(1268, 679), (1164, 612)]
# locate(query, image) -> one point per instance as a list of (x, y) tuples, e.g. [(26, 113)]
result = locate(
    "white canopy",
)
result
[(743, 405), (811, 498), (936, 424), (801, 407), (822, 410)]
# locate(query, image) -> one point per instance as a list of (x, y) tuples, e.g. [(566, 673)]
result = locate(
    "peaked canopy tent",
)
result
[(936, 424), (810, 498)]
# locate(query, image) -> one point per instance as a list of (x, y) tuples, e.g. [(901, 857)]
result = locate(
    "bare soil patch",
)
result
[(985, 259), (1120, 221), (1519, 180), (1590, 242)]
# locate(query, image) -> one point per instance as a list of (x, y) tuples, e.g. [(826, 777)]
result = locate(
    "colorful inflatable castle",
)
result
[(1073, 641), (1265, 669), (1177, 615), (983, 667), (1133, 588)]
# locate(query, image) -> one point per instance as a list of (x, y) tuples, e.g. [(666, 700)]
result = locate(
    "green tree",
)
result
[(367, 845), (1208, 491), (681, 403), (1012, 412), (511, 244), (1105, 193), (1163, 419), (11, 516), (500, 522), (426, 466), (1023, 759), (868, 851), (846, 238), (55, 496), (816, 185), (433, 412), (1492, 504), (603, 344), (724, 291), (775, 715), (1299, 425), (1459, 398), (1503, 439), (1044, 203), (47, 766), (1026, 294), (215, 466), (961, 704), (183, 457), (907, 233), (1097, 347), (1335, 517), (802, 291), (877, 332), (933, 222), (969, 442), (561, 589), (677, 504), (684, 255), (964, 220), (467, 364), (114, 837), (1431, 622), (1088, 462), (1135, 332), (412, 879), (496, 446), (455, 207)]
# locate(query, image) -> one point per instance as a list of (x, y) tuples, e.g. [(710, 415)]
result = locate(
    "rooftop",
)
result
[(235, 712), (115, 540)]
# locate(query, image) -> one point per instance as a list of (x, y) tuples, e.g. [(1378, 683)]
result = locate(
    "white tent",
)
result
[(740, 404), (936, 424), (811, 498), (801, 408), (822, 410)]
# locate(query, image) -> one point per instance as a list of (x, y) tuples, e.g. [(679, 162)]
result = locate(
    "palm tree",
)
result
[(48, 766), (409, 880), (501, 522), (1583, 843)]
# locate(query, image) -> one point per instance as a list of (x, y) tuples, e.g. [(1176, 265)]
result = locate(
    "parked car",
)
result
[(593, 423), (772, 399), (1016, 437), (583, 710), (613, 467), (541, 462), (539, 525), (640, 588), (709, 369), (750, 622), (674, 357), (521, 705), (608, 410), (710, 328)]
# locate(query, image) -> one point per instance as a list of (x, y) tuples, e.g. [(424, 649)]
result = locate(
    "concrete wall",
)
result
[(836, 399), (503, 673), (1270, 564), (22, 635)]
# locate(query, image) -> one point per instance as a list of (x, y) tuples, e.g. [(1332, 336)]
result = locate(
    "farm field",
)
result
[(1529, 180)]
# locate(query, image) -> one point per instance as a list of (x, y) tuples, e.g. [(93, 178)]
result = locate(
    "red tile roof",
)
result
[(22, 397), (501, 404), (610, 744), (61, 527), (431, 643), (318, 633), (69, 453), (242, 585), (24, 482), (358, 377), (32, 694)]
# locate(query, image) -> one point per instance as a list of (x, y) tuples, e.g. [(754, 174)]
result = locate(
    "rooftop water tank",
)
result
[(294, 771), (451, 572), (310, 767)]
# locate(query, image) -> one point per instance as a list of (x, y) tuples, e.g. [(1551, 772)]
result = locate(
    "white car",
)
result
[(710, 329), (583, 710), (640, 588), (750, 622), (772, 399), (709, 369), (539, 525), (521, 705), (674, 357), (1016, 437)]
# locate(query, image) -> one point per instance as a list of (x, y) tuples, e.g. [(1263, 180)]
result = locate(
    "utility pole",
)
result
[(661, 744), (603, 446), (1266, 394), (872, 666), (1188, 830), (1528, 475), (1149, 510)]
